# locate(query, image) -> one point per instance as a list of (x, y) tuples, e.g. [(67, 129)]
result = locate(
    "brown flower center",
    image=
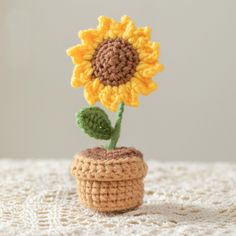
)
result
[(114, 62)]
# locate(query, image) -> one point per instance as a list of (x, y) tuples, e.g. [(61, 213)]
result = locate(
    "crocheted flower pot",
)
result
[(110, 180)]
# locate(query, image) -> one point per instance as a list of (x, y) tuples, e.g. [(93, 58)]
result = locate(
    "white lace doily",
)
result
[(38, 197)]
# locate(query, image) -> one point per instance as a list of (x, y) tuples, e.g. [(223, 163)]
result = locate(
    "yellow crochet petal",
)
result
[(134, 102), (123, 91), (112, 28), (91, 37), (143, 32), (128, 95), (115, 99), (105, 96), (129, 28), (143, 86), (75, 80), (97, 86), (138, 37), (80, 52), (138, 43), (81, 74), (149, 70), (104, 23), (75, 83), (109, 27), (91, 91), (113, 32), (150, 53), (109, 97), (126, 23)]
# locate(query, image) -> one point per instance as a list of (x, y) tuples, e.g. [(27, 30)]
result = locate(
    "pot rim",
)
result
[(118, 169)]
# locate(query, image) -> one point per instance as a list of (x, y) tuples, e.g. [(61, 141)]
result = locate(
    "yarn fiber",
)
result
[(94, 122), (107, 185), (114, 62)]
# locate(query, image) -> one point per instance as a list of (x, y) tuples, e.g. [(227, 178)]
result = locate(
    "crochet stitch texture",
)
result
[(113, 184), (115, 63), (38, 197)]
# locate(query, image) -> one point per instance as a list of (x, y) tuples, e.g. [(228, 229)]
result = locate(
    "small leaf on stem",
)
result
[(95, 122)]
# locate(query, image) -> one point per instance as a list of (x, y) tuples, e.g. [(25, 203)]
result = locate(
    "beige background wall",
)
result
[(191, 117)]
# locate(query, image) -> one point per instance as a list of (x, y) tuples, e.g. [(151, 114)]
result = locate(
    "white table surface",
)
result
[(38, 197)]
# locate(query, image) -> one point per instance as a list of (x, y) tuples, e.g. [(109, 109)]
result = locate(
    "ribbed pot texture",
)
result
[(109, 185)]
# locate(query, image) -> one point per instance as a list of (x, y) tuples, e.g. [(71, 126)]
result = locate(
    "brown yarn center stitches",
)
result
[(114, 62)]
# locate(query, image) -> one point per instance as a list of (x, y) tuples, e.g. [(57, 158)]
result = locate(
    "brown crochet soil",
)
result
[(102, 153)]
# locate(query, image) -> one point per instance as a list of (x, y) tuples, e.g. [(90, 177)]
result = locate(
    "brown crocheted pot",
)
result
[(110, 181)]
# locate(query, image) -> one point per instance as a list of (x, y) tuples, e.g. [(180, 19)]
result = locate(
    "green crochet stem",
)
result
[(116, 131), (95, 122)]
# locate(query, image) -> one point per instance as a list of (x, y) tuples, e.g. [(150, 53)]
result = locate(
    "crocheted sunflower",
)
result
[(115, 63)]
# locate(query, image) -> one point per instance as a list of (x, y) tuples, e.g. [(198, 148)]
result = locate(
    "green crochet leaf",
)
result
[(94, 122)]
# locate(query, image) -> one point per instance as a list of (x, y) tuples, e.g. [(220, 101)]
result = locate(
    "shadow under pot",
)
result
[(110, 180)]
